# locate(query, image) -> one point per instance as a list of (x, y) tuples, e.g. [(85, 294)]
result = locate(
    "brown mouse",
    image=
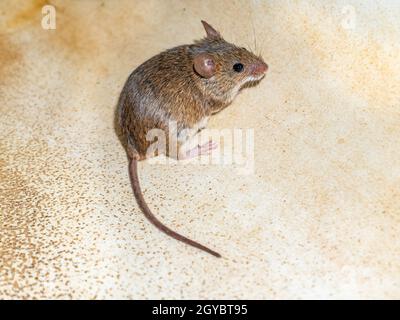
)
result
[(185, 84)]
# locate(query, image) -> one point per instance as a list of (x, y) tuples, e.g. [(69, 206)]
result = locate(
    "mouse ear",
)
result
[(204, 65), (211, 32)]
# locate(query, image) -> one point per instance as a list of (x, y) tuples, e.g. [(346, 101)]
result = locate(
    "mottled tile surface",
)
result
[(319, 218)]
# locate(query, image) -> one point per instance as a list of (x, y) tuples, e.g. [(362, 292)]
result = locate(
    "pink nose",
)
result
[(259, 68)]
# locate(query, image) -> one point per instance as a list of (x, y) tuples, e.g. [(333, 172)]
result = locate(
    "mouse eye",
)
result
[(238, 67)]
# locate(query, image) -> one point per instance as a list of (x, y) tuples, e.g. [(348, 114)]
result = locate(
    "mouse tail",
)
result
[(152, 218)]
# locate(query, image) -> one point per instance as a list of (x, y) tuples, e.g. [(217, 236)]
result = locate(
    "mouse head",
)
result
[(223, 67)]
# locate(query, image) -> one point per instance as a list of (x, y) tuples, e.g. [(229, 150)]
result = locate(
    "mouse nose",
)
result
[(259, 68)]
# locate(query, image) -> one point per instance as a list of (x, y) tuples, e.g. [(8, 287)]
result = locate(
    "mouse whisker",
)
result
[(254, 36), (262, 46)]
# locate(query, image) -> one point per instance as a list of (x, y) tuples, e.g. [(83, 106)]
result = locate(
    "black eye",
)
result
[(238, 67)]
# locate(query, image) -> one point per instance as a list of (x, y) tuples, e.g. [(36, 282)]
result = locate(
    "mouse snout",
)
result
[(259, 68)]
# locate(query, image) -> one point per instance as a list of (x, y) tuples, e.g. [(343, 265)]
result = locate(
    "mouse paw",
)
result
[(199, 150)]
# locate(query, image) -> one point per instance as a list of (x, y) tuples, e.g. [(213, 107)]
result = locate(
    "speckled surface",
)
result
[(319, 218)]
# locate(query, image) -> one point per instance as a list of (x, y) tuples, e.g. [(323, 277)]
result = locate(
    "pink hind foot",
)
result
[(199, 150)]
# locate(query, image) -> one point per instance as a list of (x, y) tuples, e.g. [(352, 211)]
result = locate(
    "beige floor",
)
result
[(319, 218)]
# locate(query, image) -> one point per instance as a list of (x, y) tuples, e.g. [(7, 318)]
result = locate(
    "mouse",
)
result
[(186, 84)]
